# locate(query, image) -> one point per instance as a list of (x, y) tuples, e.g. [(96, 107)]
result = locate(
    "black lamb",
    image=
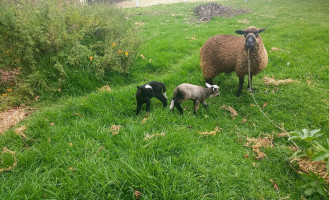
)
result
[(146, 92)]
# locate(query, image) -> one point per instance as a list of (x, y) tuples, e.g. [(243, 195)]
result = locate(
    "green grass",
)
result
[(182, 164)]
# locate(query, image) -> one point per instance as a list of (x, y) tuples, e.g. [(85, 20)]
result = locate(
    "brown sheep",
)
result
[(227, 53)]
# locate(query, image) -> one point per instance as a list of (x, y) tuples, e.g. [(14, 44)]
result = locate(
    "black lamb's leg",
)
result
[(148, 103), (162, 99), (241, 80), (139, 106)]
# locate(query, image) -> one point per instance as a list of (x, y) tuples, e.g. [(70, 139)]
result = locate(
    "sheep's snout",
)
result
[(250, 41)]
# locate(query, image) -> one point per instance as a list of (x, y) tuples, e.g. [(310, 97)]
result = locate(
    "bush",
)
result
[(53, 41)]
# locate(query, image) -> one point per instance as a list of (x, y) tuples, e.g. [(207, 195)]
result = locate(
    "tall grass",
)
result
[(62, 46)]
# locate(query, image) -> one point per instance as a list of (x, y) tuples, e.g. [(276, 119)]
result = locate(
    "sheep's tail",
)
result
[(172, 104)]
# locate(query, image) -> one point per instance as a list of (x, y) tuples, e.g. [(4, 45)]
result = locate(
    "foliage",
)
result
[(52, 42), (313, 184), (305, 134)]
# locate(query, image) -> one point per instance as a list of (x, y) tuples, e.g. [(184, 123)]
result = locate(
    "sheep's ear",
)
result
[(261, 30), (208, 85), (240, 32), (139, 87)]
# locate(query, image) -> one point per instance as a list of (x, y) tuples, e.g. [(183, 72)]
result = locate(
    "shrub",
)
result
[(53, 41)]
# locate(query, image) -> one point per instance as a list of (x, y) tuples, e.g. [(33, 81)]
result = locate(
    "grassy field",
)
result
[(71, 153)]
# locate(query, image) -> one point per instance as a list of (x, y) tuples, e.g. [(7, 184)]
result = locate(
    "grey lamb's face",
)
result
[(215, 89), (251, 35)]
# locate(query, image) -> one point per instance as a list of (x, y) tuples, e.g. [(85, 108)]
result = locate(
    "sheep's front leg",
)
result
[(139, 106), (196, 105), (163, 99), (209, 81), (204, 103), (241, 80), (148, 104)]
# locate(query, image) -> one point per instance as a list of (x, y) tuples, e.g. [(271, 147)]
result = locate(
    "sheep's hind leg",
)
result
[(179, 107), (241, 80)]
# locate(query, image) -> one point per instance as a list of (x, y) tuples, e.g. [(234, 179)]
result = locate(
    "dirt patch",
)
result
[(7, 76), (208, 11), (12, 117), (307, 166), (146, 3)]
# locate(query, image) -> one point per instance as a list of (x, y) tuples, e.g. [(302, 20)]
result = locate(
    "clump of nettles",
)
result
[(207, 11)]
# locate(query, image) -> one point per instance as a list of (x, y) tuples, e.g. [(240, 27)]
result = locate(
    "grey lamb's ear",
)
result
[(240, 32), (261, 30), (208, 85)]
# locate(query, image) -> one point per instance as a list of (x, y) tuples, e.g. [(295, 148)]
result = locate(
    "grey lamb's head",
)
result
[(215, 89), (251, 36)]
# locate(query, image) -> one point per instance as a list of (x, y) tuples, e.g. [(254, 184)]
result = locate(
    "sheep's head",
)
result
[(215, 89), (146, 90), (250, 35)]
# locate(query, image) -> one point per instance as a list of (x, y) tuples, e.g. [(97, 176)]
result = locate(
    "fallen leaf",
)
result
[(20, 131), (293, 148), (274, 185), (264, 105), (144, 120), (142, 56), (244, 120), (276, 49), (308, 82), (105, 88), (254, 164), (77, 114), (246, 156), (59, 90), (37, 98), (71, 144), (258, 143), (49, 140), (72, 169), (51, 123), (211, 132), (252, 105), (283, 134), (271, 81), (244, 21), (137, 194), (147, 136), (233, 112), (115, 129)]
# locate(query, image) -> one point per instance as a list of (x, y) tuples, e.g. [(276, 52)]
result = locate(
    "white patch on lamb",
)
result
[(148, 86)]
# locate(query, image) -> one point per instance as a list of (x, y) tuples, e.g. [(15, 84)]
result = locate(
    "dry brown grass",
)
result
[(12, 117)]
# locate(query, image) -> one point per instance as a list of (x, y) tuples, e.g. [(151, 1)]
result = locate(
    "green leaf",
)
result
[(305, 134), (308, 191), (321, 156)]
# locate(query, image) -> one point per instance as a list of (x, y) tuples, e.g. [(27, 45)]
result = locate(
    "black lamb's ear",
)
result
[(139, 87), (240, 32), (261, 30)]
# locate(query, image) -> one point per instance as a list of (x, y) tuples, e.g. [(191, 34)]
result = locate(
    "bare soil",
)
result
[(146, 3)]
